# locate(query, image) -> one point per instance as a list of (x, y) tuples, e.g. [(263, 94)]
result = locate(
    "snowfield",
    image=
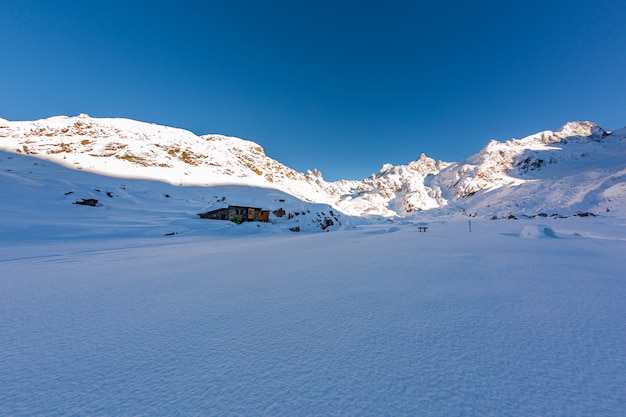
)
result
[(377, 320), (137, 307)]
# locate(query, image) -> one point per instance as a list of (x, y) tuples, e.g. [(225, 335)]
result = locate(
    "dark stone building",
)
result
[(237, 214)]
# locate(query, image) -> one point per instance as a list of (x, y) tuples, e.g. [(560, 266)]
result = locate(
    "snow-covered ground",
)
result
[(103, 312)]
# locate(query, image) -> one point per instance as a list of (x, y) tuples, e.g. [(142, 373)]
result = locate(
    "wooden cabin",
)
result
[(238, 214)]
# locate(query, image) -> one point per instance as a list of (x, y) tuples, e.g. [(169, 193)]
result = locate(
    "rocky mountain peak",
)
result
[(581, 130)]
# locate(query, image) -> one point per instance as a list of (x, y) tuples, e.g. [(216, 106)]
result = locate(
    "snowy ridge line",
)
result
[(578, 168)]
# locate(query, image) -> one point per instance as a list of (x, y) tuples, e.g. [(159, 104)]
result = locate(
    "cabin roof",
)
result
[(224, 205)]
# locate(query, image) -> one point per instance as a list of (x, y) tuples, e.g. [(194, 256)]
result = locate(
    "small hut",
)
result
[(237, 214)]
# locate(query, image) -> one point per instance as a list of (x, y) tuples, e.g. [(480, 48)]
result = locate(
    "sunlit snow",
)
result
[(138, 307)]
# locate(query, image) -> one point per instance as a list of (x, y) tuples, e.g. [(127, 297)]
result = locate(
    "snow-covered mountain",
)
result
[(129, 148), (579, 168)]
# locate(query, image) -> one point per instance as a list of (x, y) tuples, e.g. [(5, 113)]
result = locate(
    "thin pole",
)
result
[(470, 225)]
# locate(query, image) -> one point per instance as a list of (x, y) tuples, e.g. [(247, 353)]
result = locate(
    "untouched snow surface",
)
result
[(137, 307), (377, 320)]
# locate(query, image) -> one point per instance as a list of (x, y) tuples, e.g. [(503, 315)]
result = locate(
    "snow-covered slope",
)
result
[(43, 199), (133, 149), (580, 167)]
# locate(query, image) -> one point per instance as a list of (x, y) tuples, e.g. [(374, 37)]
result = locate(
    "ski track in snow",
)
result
[(377, 320)]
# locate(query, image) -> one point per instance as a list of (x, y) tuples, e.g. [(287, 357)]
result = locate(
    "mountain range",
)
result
[(580, 168)]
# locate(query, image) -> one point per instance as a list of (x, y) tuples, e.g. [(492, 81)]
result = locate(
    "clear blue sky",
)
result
[(342, 86)]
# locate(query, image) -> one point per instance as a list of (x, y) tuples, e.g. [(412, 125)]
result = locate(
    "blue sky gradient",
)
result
[(342, 86)]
